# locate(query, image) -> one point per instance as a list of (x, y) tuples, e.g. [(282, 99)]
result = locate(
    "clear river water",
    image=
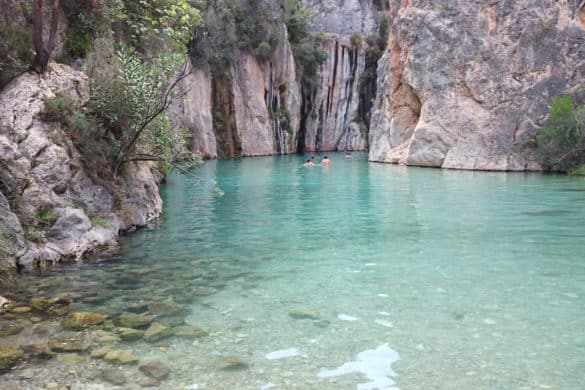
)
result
[(354, 276)]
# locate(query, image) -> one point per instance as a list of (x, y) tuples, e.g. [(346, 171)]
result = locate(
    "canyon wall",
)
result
[(52, 207), (252, 110), (259, 107), (332, 121), (464, 84)]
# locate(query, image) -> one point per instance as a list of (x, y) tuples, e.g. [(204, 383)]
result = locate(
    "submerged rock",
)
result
[(99, 353), (129, 334), (300, 313), (122, 356), (156, 332), (138, 308), (155, 369), (9, 356), (11, 328), (164, 308), (71, 358), (80, 320), (148, 382), (38, 351), (21, 310), (134, 321), (54, 306), (113, 376), (190, 331), (231, 363), (204, 291), (68, 344)]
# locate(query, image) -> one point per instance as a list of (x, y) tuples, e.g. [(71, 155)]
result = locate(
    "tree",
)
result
[(130, 94), (43, 53)]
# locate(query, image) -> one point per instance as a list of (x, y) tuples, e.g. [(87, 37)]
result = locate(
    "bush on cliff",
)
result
[(561, 141)]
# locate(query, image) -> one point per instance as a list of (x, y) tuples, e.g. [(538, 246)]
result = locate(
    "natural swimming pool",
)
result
[(359, 275)]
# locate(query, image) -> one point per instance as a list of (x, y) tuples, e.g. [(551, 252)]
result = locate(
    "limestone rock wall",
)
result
[(192, 109), (255, 111), (331, 119), (333, 122), (465, 83), (11, 236), (346, 17), (41, 173)]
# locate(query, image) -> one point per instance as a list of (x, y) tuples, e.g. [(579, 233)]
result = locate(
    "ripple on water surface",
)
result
[(266, 274)]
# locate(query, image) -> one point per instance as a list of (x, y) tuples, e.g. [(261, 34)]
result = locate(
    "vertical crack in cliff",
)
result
[(307, 98), (224, 121), (406, 105), (350, 86), (331, 92), (319, 135)]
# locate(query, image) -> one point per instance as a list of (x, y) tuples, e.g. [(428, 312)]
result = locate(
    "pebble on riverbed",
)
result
[(231, 363), (300, 313)]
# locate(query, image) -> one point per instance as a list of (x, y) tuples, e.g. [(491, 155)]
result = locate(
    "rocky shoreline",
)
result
[(52, 207)]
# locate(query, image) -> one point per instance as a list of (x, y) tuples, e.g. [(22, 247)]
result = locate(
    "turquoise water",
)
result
[(423, 278)]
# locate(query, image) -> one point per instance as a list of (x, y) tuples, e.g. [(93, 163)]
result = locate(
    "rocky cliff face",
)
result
[(336, 112), (333, 121), (256, 109), (44, 187), (252, 110), (464, 84), (346, 17)]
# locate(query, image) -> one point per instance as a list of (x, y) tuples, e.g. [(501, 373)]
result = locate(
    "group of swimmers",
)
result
[(325, 162)]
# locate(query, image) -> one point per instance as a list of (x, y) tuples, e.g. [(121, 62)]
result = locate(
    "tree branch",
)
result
[(569, 154), (157, 110)]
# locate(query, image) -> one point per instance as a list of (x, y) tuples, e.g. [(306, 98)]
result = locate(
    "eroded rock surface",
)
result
[(45, 187), (253, 112), (333, 121), (465, 84)]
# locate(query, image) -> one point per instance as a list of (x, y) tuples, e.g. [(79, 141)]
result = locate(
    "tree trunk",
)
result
[(44, 53)]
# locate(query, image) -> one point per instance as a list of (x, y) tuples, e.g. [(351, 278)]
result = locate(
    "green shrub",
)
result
[(32, 234), (561, 141), (15, 52), (578, 172), (78, 44), (264, 50), (47, 218), (99, 221), (85, 129), (59, 108), (356, 41)]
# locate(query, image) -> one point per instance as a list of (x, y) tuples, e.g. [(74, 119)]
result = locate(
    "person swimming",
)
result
[(309, 163), (347, 154), (325, 162)]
